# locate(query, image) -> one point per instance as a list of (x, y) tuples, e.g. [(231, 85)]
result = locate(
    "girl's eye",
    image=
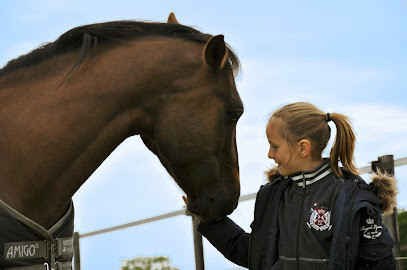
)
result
[(274, 146)]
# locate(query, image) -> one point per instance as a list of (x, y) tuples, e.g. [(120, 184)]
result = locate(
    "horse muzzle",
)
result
[(210, 207)]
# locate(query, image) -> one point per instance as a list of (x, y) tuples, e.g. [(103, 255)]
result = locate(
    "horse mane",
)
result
[(84, 37)]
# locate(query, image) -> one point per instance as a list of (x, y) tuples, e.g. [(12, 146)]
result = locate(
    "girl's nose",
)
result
[(270, 154)]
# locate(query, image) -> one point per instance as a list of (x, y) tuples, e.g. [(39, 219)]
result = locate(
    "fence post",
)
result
[(386, 164), (198, 247), (76, 252)]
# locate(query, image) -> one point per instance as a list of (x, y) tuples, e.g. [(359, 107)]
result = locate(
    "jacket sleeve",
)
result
[(227, 237), (375, 243)]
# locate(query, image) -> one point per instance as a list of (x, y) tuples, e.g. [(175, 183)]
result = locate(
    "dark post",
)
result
[(76, 252), (386, 164), (198, 247)]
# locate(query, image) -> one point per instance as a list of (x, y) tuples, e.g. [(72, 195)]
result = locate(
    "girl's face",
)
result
[(286, 156)]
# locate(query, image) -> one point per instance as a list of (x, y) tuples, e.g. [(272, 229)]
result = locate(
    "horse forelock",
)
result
[(88, 36)]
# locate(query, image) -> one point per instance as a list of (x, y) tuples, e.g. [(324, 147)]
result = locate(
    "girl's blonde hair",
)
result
[(303, 120)]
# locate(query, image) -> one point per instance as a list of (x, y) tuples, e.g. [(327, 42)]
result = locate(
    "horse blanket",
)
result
[(25, 245)]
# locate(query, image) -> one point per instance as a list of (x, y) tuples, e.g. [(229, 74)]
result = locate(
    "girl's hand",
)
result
[(195, 219)]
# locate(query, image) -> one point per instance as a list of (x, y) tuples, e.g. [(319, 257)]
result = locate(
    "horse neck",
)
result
[(54, 138)]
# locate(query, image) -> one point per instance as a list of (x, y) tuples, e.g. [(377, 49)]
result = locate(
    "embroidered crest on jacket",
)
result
[(320, 218), (371, 230)]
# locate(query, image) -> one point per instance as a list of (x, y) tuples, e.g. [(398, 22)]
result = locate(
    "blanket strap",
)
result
[(45, 266)]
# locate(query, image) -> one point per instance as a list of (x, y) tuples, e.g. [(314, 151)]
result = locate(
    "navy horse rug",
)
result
[(25, 245)]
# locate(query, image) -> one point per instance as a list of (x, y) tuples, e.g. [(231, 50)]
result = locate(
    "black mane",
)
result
[(87, 36)]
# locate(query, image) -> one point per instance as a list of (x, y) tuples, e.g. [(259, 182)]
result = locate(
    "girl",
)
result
[(312, 214)]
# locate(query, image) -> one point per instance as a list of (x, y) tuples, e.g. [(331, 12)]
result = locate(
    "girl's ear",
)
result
[(305, 147)]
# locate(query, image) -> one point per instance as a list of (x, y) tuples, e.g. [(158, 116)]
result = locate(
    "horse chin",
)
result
[(209, 210)]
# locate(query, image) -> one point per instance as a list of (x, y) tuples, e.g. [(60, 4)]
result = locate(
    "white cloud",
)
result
[(378, 121), (307, 74), (380, 128)]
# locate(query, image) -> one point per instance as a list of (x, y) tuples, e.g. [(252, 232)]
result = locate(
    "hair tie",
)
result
[(328, 117)]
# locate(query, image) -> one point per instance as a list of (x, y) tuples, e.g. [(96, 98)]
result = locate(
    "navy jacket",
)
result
[(355, 202)]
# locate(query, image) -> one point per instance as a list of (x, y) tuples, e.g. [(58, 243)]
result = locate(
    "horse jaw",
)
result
[(208, 201)]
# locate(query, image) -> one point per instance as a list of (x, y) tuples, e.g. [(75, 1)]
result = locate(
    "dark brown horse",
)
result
[(67, 105)]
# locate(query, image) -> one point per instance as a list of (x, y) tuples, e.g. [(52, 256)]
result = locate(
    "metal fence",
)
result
[(384, 163)]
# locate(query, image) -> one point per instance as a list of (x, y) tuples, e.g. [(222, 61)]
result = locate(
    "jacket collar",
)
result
[(311, 177)]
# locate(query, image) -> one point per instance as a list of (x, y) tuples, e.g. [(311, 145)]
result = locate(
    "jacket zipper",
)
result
[(300, 222)]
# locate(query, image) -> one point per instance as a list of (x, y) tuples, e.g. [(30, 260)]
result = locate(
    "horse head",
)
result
[(194, 134)]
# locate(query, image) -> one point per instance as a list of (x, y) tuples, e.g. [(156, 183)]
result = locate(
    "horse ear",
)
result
[(172, 19), (215, 52)]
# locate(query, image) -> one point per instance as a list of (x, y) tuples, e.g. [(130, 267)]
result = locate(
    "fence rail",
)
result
[(135, 223), (362, 170)]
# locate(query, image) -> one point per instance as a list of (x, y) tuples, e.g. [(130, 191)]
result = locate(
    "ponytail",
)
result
[(344, 145)]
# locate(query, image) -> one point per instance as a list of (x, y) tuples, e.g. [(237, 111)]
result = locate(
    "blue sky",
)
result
[(343, 56)]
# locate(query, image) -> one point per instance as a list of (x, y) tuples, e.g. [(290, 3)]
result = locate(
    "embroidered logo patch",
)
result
[(371, 230), (320, 218)]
